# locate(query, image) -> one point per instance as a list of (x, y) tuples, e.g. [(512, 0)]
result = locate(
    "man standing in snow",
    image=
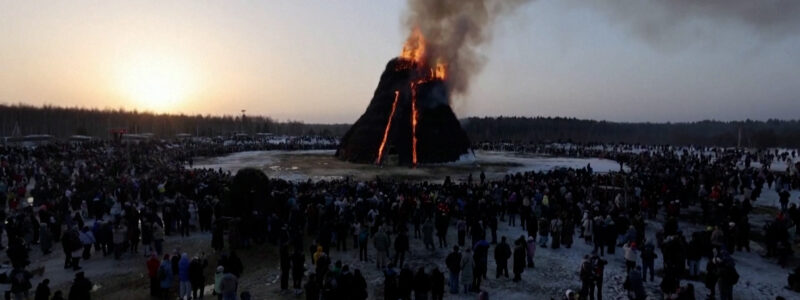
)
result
[(400, 248), (586, 275), (599, 266), (453, 262), (728, 277), (784, 199), (501, 254), (519, 259), (381, 243), (648, 261), (481, 256)]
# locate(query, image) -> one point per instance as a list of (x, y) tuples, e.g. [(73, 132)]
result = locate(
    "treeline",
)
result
[(64, 122), (771, 133)]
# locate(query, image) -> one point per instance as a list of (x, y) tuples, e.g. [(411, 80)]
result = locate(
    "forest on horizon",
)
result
[(62, 122)]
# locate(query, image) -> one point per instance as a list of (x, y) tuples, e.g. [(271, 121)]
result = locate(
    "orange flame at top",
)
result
[(414, 49)]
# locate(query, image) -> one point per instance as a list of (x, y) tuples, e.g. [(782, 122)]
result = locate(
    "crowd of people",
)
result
[(102, 199)]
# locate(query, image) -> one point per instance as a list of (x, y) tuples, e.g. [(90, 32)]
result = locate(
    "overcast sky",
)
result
[(320, 61)]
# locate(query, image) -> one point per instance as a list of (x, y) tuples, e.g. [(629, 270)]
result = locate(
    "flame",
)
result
[(413, 124), (386, 131), (414, 49), (414, 53), (440, 71), (414, 56)]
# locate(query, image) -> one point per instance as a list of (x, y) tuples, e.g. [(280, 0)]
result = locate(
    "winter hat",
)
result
[(220, 269)]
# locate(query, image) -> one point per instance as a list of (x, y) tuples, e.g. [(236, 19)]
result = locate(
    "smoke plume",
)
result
[(455, 30), (673, 23)]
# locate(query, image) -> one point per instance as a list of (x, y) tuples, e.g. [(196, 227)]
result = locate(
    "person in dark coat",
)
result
[(634, 285), (57, 296), (711, 278), (81, 288), (390, 291), (599, 266), (437, 284), (481, 259), (502, 252), (359, 286), (400, 248), (519, 260), (45, 239), (648, 256), (298, 269), (728, 277), (20, 283), (217, 239), (405, 283), (285, 267), (567, 232), (586, 275), (235, 265), (453, 263), (197, 277), (422, 285), (43, 290), (312, 288)]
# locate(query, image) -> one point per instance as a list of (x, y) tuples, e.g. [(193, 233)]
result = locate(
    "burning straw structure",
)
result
[(409, 116)]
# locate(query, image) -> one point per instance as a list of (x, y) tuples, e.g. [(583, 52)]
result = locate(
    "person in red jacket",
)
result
[(152, 272)]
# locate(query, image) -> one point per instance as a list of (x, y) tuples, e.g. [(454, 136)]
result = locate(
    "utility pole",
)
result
[(243, 116), (739, 141)]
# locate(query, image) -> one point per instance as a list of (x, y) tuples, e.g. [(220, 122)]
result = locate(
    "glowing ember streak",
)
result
[(386, 131), (413, 125)]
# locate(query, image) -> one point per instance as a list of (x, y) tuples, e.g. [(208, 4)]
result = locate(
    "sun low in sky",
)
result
[(156, 82)]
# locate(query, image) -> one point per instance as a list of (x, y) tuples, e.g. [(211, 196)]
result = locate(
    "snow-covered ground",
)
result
[(321, 164)]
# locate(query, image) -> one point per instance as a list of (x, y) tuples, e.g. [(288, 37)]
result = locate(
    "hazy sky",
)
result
[(320, 61)]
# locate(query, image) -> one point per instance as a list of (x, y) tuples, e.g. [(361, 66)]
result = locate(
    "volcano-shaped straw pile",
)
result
[(409, 116)]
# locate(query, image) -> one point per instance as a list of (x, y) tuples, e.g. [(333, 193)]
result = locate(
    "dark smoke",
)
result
[(455, 30), (671, 22)]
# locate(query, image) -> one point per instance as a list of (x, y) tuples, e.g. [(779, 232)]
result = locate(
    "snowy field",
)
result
[(321, 164)]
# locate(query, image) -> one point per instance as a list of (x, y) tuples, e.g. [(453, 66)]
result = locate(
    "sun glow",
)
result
[(155, 83)]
